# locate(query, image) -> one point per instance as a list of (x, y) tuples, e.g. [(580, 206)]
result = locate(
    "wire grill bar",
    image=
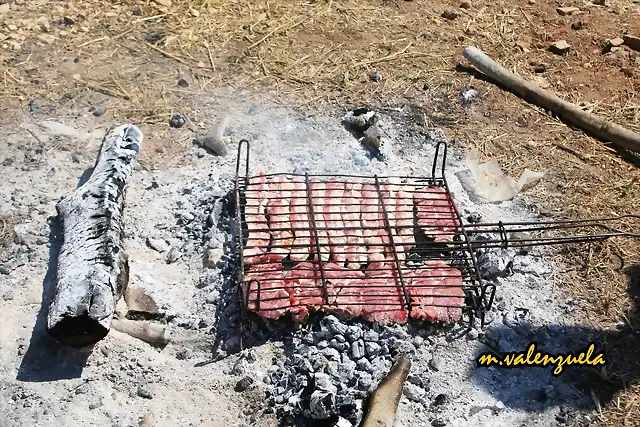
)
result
[(349, 262)]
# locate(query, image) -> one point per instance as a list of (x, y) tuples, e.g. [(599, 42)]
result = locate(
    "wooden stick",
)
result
[(384, 400), (590, 123), (151, 333), (93, 268)]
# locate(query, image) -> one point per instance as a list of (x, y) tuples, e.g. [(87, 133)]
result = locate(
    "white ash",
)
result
[(457, 393)]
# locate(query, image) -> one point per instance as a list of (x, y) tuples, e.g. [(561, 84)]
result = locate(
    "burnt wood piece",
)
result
[(383, 401), (93, 268)]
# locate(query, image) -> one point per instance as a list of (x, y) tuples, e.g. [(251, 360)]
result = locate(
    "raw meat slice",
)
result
[(278, 209), (372, 223), (355, 252), (255, 219), (271, 297), (435, 213), (318, 199), (301, 247), (333, 218), (307, 289), (375, 300), (436, 293)]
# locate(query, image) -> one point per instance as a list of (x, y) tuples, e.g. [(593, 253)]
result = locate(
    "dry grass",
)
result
[(6, 231), (128, 55)]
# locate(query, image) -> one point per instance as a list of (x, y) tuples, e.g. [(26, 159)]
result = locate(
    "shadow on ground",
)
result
[(536, 389), (45, 359)]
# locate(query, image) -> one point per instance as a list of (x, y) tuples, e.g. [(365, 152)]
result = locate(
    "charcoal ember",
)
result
[(309, 339), (318, 362), (339, 346), (321, 405), (331, 354), (414, 392), (332, 323), (395, 331), (371, 335), (358, 349), (381, 367), (353, 333), (519, 320), (494, 262), (340, 338), (372, 348), (323, 345), (332, 368), (302, 363), (364, 365), (365, 381), (347, 370)]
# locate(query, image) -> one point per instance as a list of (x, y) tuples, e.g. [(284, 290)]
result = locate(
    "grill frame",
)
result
[(479, 296)]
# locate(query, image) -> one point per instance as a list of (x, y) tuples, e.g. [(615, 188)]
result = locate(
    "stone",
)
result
[(185, 353), (438, 422), (578, 25), (450, 14), (183, 83), (98, 111), (212, 257), (566, 11), (139, 300), (414, 393), (376, 76), (173, 255), (158, 245), (435, 363), (332, 323), (177, 121), (615, 42), (600, 2), (560, 47), (243, 384), (144, 392), (465, 5)]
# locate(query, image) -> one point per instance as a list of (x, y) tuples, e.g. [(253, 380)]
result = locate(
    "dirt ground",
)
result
[(126, 57)]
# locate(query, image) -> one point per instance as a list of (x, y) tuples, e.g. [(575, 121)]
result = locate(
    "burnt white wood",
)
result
[(93, 268)]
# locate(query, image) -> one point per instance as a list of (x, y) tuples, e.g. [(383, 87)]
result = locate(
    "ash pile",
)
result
[(330, 368)]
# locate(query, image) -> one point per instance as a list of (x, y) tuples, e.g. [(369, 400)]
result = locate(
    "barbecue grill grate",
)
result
[(412, 268)]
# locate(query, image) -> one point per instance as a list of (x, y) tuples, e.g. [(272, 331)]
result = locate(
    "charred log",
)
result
[(93, 269)]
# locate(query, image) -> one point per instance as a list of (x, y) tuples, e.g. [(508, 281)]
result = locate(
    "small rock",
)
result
[(98, 111), (565, 11), (376, 76), (331, 354), (615, 42), (413, 392), (185, 353), (159, 245), (214, 145), (450, 14), (468, 95), (560, 47), (472, 334), (578, 25), (440, 399), (243, 384), (435, 363), (212, 257), (138, 300), (4, 8), (144, 392), (600, 2), (177, 121), (426, 86), (183, 83), (173, 255), (8, 161), (438, 422), (465, 5)]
